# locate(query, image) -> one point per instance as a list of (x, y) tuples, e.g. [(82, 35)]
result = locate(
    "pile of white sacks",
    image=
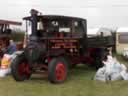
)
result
[(112, 70)]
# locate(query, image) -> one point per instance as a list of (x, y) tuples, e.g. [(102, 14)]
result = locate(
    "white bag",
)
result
[(112, 70), (116, 68), (123, 67), (4, 72), (124, 75), (116, 76), (100, 75)]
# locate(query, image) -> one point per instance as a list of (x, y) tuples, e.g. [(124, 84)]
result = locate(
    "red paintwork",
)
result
[(49, 59), (77, 59), (60, 71), (89, 59), (23, 68)]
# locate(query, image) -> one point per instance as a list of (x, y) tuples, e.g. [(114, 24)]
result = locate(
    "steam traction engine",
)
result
[(54, 44)]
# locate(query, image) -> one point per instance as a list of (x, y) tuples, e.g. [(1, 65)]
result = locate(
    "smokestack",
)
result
[(34, 14)]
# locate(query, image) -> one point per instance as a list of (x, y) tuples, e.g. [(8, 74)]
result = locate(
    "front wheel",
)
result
[(20, 69), (57, 70)]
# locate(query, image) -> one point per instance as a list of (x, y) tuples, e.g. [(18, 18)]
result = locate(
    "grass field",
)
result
[(79, 83)]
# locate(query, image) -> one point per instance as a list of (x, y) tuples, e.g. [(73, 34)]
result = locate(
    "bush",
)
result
[(17, 36)]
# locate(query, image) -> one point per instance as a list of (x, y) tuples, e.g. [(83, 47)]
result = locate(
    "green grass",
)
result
[(79, 83)]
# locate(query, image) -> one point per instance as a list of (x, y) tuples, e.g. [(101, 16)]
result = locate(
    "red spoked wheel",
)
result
[(23, 68), (20, 69), (57, 70)]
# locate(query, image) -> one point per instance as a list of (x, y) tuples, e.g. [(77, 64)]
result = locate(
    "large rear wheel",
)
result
[(98, 56), (57, 70), (20, 69)]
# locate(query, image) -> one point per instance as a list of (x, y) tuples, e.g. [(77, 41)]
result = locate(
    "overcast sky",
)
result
[(106, 13)]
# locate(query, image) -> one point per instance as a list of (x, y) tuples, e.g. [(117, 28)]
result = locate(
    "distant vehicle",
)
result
[(121, 40), (5, 32), (55, 44)]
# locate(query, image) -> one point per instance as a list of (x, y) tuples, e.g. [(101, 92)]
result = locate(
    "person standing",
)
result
[(11, 48)]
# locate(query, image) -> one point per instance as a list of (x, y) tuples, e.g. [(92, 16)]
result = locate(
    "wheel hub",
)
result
[(23, 68), (60, 71)]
